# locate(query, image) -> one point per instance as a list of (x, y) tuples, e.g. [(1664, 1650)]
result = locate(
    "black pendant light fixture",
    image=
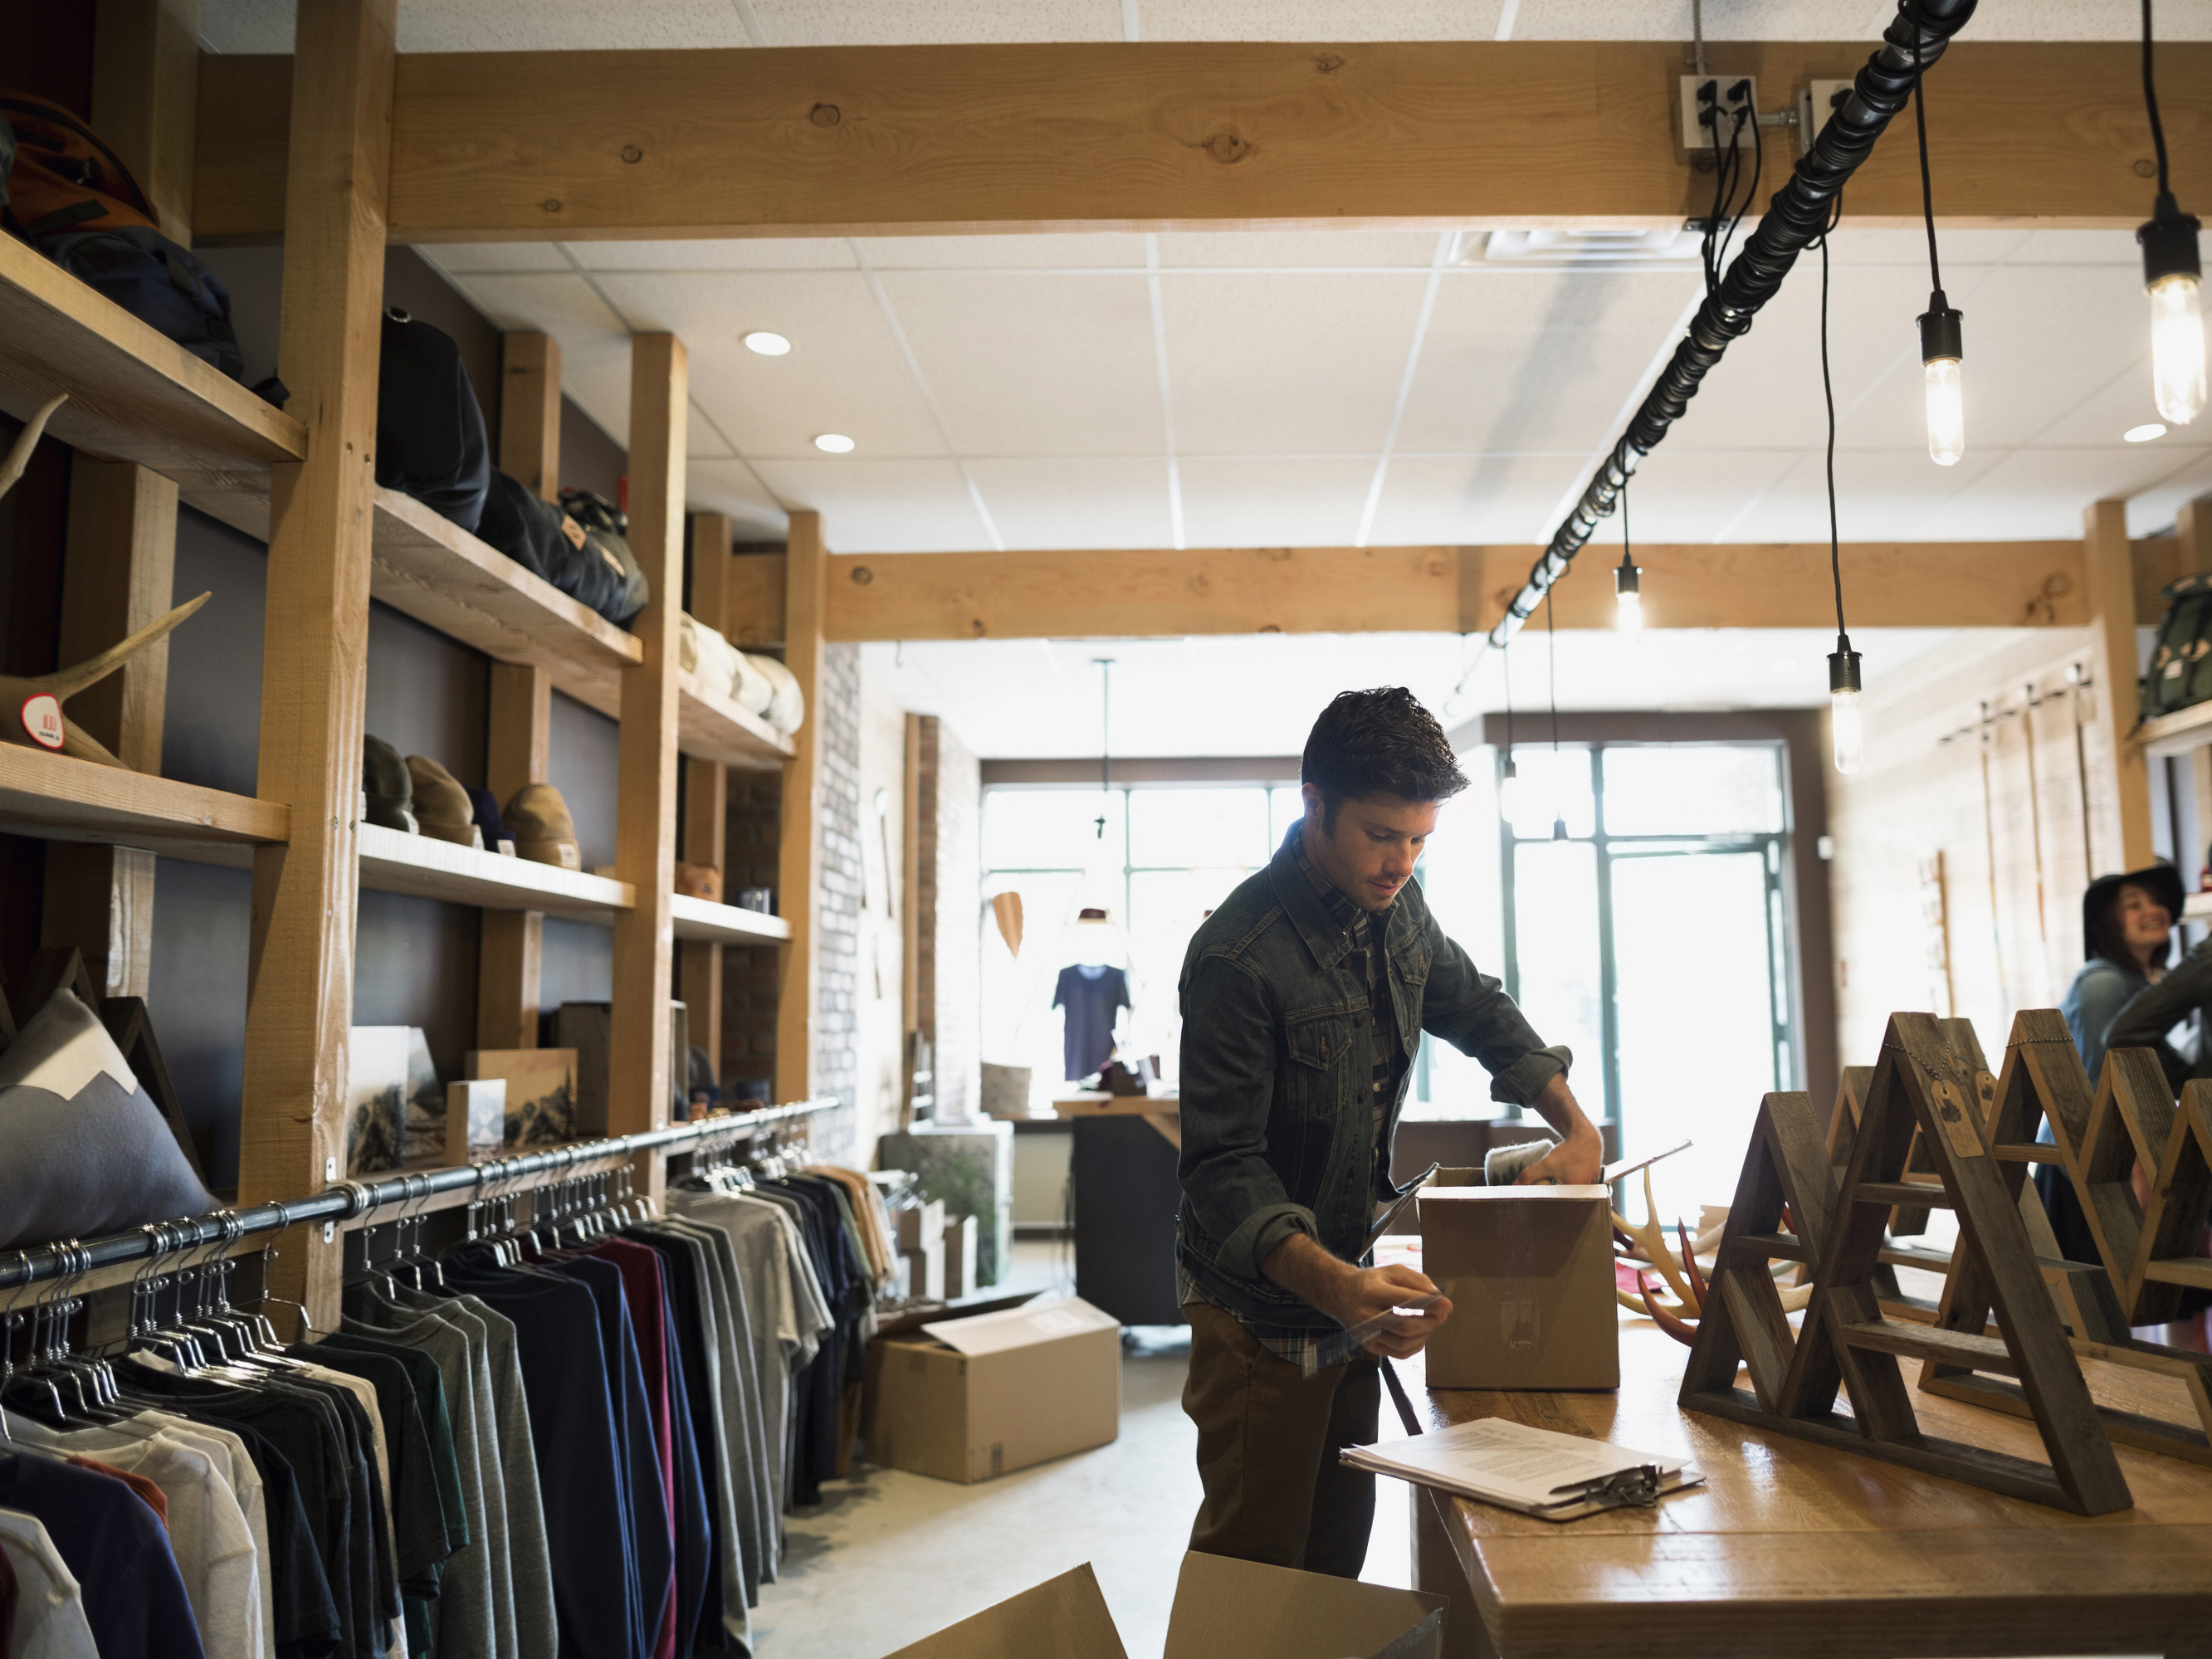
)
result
[(1845, 729), (1508, 777), (2173, 277), (1627, 580), (1105, 730), (1942, 336)]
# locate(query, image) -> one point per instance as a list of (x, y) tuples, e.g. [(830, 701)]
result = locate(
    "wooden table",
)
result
[(1792, 1549)]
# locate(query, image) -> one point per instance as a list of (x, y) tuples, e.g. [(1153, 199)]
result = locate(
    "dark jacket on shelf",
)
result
[(1279, 1131)]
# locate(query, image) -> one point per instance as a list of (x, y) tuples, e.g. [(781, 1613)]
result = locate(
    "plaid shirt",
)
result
[(1365, 930)]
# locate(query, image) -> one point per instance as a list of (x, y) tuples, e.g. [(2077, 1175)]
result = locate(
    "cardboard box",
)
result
[(922, 1242), (1530, 1272), (1224, 1609), (920, 1225), (967, 1399), (960, 1257)]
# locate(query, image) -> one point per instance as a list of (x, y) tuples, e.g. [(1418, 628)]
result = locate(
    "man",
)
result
[(1303, 999)]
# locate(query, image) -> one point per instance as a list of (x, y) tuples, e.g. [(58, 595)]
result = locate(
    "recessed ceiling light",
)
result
[(2144, 433), (768, 344), (833, 443)]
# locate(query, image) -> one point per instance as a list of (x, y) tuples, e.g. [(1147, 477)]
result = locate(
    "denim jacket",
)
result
[(1277, 1119)]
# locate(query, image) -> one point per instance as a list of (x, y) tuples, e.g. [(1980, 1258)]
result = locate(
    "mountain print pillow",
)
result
[(83, 1148)]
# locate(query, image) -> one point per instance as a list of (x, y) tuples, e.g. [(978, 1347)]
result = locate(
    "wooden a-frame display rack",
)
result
[(2132, 1116), (1920, 1083)]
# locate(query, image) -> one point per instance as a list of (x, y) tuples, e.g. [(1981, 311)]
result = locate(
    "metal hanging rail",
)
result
[(347, 1200), (1799, 212)]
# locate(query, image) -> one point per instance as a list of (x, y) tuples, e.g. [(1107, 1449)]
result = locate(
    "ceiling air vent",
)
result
[(1581, 250)]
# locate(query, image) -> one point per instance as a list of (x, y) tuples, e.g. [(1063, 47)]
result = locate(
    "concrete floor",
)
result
[(889, 1557)]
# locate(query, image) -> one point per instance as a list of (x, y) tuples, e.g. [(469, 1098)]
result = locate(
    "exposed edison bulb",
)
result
[(1947, 412), (1846, 730), (1510, 791), (1628, 597), (2177, 346)]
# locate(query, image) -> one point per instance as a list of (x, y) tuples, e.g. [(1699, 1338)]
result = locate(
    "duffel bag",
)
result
[(430, 440)]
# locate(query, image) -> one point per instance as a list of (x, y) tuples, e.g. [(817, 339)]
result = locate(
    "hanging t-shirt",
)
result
[(1091, 995)]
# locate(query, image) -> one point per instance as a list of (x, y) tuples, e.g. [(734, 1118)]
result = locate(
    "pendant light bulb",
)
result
[(2173, 277), (1846, 731), (1942, 353), (1510, 791), (1558, 826), (1628, 595)]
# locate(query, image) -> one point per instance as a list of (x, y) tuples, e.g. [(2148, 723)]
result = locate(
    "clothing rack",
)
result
[(357, 1201)]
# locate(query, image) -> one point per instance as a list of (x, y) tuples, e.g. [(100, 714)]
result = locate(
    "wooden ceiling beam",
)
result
[(1165, 593), (1169, 136)]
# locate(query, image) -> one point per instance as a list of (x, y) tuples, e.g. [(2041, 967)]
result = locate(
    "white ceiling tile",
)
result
[(705, 442), (1286, 364), (1290, 249), (2039, 493), (2152, 513), (1430, 499), (734, 487), (730, 253), (595, 376), (881, 506), (1882, 495), (843, 374), (1696, 495), (1317, 20), (2083, 247), (1861, 245), (1275, 502), (1088, 252), (934, 22), (1079, 501), (1502, 345), (1035, 365), (560, 305), (458, 259)]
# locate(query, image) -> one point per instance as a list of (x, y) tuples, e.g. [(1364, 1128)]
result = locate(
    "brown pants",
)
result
[(1267, 1439)]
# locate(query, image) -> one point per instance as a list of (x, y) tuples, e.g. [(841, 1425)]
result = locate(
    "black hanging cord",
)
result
[(1800, 212), (1920, 120), (2150, 103), (1552, 668), (1828, 392)]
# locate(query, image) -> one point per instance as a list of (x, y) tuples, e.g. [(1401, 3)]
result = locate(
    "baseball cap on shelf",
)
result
[(388, 792), (441, 805), (537, 818)]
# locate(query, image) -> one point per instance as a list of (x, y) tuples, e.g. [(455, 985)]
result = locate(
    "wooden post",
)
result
[(645, 806), (805, 596), (315, 640), (2109, 566), (518, 743), (510, 952), (145, 99), (705, 792), (530, 413), (2192, 529), (121, 565)]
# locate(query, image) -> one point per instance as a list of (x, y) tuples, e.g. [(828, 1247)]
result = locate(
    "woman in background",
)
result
[(2124, 998)]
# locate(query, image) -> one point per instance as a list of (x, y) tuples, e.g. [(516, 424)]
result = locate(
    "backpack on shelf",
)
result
[(606, 531), (592, 567), (430, 441), (70, 196), (2180, 672)]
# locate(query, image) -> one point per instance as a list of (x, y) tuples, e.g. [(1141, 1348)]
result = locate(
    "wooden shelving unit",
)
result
[(60, 799), (134, 395), (138, 401), (2176, 734)]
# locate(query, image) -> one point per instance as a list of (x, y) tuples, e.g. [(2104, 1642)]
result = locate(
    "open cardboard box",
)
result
[(1224, 1609), (967, 1399), (1530, 1272)]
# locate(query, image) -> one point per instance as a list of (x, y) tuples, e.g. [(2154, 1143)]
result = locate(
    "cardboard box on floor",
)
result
[(1224, 1609), (967, 1399), (1530, 1272)]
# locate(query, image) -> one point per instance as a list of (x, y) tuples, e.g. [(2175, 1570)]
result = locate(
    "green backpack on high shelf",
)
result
[(2180, 671)]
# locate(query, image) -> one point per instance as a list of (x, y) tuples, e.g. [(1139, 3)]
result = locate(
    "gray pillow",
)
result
[(83, 1148)]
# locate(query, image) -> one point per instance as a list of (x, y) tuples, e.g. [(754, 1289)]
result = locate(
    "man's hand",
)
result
[(1579, 1158), (1352, 1296)]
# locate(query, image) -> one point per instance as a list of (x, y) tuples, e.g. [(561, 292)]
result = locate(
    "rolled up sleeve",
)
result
[(1228, 1085), (1470, 1010)]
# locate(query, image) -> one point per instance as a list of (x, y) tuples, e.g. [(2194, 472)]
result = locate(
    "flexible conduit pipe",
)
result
[(1792, 220)]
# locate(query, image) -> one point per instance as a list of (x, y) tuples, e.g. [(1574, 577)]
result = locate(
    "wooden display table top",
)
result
[(1789, 1548), (1094, 1103)]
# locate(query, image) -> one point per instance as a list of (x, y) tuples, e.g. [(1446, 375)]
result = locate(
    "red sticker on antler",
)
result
[(42, 719)]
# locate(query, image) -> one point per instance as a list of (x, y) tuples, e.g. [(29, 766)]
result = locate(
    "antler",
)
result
[(27, 441), (77, 742)]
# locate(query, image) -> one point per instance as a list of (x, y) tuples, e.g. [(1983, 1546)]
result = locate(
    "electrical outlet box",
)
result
[(1727, 95), (1814, 105)]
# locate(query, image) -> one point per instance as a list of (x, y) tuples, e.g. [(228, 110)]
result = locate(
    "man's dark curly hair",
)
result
[(1376, 742)]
